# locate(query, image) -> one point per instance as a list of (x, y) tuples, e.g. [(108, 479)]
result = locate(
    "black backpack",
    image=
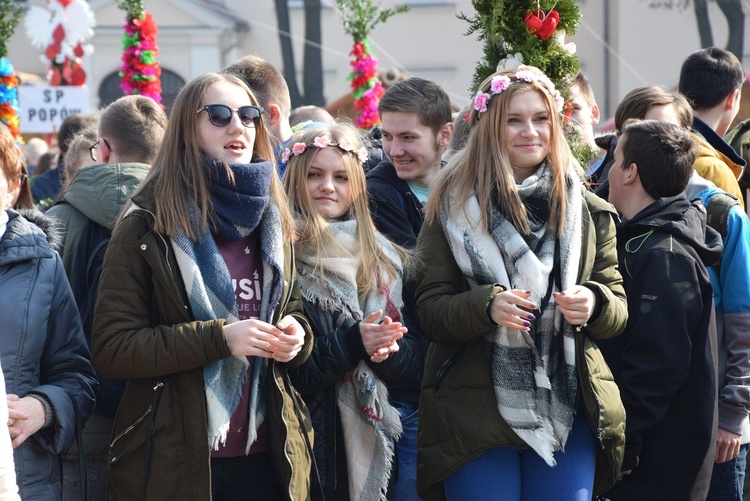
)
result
[(84, 280)]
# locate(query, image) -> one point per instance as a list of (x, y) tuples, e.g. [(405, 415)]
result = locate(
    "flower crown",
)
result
[(500, 83), (324, 142)]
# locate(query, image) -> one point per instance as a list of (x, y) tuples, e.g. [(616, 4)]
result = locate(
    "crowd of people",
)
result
[(245, 301)]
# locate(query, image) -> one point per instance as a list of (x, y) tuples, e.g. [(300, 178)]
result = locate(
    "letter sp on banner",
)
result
[(43, 108)]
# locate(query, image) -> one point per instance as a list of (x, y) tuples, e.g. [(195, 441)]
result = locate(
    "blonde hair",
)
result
[(483, 166), (79, 151), (313, 233), (178, 173)]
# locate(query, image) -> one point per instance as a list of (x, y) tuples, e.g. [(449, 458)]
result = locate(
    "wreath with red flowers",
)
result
[(140, 71), (359, 17)]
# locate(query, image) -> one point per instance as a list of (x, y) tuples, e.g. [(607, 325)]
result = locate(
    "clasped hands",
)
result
[(26, 416), (255, 338), (380, 339), (512, 309)]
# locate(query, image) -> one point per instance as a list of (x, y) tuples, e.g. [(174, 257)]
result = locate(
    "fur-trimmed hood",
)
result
[(50, 226)]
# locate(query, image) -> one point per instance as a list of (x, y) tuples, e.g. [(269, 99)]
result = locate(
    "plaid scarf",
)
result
[(371, 425), (534, 377), (210, 291)]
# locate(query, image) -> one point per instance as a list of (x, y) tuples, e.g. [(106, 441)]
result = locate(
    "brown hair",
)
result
[(178, 174), (11, 159), (266, 82), (422, 97), (134, 126), (663, 152), (638, 101)]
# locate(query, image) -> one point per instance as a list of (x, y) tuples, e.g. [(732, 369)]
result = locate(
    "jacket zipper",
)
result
[(137, 421), (286, 427)]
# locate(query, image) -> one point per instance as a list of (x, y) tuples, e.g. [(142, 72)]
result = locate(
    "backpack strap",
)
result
[(718, 208)]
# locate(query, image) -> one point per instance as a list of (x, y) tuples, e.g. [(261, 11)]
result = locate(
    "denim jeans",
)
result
[(728, 478), (96, 470), (509, 474), (406, 453)]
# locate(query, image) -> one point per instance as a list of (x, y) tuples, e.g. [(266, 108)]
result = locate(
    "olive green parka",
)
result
[(143, 332), (458, 416)]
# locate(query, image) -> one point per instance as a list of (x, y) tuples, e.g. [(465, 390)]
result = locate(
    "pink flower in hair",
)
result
[(322, 141), (480, 102), (499, 83), (345, 145), (285, 155), (362, 154), (526, 76), (299, 148)]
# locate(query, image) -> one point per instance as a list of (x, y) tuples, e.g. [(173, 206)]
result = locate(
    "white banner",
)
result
[(43, 108)]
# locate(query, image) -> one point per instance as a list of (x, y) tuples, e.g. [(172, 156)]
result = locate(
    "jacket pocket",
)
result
[(129, 452)]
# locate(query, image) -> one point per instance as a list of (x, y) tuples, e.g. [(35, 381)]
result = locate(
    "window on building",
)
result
[(171, 83)]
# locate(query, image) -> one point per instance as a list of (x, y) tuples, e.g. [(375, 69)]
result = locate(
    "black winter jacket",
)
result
[(665, 360), (334, 355), (395, 210)]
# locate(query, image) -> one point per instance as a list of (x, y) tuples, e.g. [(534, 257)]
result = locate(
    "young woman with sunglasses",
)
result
[(199, 311)]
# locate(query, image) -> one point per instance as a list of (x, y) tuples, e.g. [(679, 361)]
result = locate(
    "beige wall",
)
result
[(647, 46)]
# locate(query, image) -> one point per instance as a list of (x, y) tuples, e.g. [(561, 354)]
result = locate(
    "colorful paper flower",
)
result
[(299, 148)]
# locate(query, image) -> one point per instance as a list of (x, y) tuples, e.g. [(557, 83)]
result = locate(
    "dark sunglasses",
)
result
[(221, 115)]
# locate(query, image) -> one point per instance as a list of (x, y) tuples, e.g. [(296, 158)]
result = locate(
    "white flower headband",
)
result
[(324, 142), (500, 83)]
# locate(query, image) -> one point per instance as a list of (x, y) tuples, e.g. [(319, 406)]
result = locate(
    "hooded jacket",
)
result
[(43, 350), (97, 193), (145, 332), (665, 361), (730, 282), (717, 161), (459, 419)]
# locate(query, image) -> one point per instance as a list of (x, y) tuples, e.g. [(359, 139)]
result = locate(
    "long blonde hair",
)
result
[(483, 166), (314, 235), (178, 173)]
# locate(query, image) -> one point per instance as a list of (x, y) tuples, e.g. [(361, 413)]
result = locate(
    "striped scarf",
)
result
[(370, 424), (534, 377), (210, 291)]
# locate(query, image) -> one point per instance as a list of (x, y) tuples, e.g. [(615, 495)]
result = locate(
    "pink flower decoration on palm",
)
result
[(299, 148), (322, 141), (480, 102)]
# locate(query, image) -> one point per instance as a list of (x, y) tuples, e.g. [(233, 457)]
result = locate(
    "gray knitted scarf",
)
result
[(370, 424), (534, 377)]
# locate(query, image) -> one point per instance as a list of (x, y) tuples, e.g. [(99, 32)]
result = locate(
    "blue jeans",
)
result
[(509, 474), (728, 478), (406, 452)]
